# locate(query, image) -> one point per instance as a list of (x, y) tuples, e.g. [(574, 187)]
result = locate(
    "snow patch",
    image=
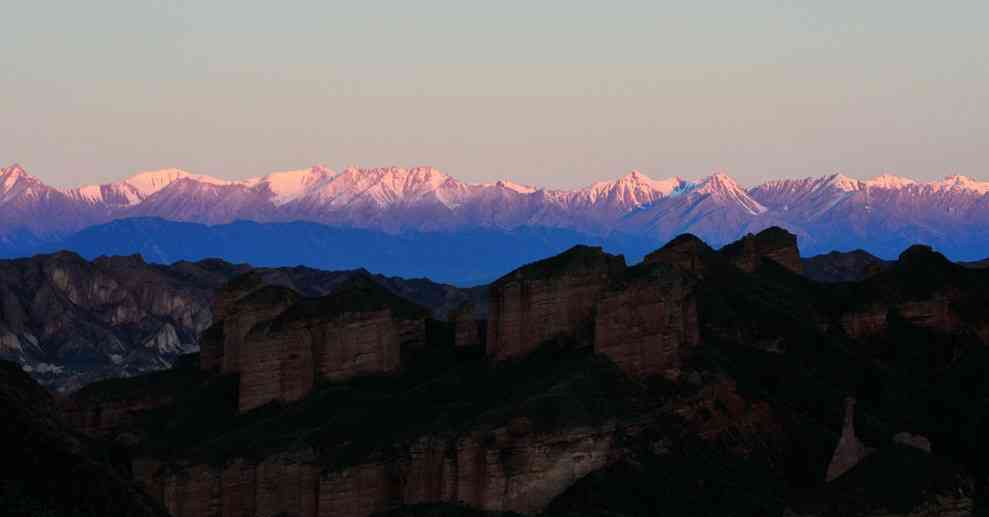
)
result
[(149, 182), (961, 183), (889, 181), (287, 186), (517, 187)]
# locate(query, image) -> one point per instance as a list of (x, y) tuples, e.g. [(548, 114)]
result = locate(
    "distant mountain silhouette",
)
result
[(467, 257)]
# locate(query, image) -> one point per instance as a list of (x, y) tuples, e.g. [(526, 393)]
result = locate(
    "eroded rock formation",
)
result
[(850, 450), (282, 344), (693, 356), (512, 468), (647, 322), (552, 299), (774, 243), (686, 252), (70, 321)]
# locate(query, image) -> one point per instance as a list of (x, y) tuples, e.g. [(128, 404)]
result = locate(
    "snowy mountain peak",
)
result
[(387, 186), (841, 182), (148, 182), (889, 181), (17, 184), (635, 176), (724, 188), (718, 182), (639, 186), (956, 182), (12, 175), (517, 187), (287, 186), (14, 170), (665, 186)]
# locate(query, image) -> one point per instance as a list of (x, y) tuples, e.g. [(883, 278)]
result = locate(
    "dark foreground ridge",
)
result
[(700, 382), (50, 469)]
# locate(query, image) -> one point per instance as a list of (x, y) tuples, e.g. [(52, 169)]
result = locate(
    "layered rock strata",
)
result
[(282, 344), (552, 299), (647, 323), (511, 468)]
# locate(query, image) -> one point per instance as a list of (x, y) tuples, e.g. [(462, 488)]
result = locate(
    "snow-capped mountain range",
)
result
[(882, 215)]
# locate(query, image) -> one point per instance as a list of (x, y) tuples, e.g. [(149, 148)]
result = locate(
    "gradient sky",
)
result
[(552, 93)]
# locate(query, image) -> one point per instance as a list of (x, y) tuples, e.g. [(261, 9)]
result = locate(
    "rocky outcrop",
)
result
[(282, 344), (642, 318), (69, 321), (283, 362), (850, 451), (552, 299), (774, 243), (648, 322), (922, 290), (936, 314), (239, 307), (686, 253), (281, 485), (511, 468)]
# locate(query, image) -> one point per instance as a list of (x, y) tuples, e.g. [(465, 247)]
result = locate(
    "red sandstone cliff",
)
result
[(547, 300), (282, 344), (237, 313), (510, 468), (647, 324)]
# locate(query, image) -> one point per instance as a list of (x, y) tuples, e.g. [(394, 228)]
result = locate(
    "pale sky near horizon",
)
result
[(557, 94)]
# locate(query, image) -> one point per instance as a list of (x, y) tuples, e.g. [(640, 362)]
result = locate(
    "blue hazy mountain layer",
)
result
[(465, 257)]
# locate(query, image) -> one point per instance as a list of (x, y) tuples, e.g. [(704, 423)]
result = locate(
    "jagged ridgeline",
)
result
[(70, 321), (699, 382), (422, 222)]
